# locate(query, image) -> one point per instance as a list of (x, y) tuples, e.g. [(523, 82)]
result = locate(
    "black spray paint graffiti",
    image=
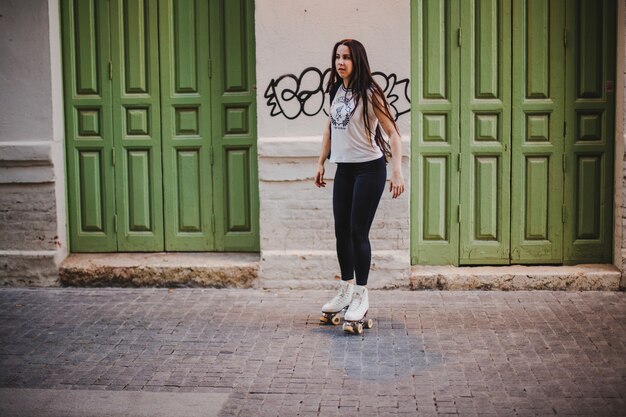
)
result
[(293, 96)]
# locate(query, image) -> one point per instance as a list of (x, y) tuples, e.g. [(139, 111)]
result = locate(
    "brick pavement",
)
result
[(429, 353)]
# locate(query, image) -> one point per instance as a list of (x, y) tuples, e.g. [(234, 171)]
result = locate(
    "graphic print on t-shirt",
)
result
[(341, 111)]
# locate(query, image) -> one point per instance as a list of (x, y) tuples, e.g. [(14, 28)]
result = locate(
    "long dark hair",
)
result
[(361, 82)]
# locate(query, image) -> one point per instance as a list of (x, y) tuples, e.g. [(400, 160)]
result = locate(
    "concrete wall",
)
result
[(25, 106), (620, 145), (32, 236), (297, 228)]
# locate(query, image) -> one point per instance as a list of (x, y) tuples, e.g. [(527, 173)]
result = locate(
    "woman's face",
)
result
[(343, 62)]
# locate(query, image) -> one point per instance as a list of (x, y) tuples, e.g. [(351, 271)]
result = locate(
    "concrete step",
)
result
[(589, 277), (242, 270), (217, 270)]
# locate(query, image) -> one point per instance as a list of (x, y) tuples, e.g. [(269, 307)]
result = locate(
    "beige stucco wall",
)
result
[(32, 202), (292, 35)]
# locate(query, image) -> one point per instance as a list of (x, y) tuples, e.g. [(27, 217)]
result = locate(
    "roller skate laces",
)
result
[(339, 303), (354, 318)]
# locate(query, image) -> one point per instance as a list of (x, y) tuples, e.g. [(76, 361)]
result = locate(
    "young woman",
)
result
[(353, 140)]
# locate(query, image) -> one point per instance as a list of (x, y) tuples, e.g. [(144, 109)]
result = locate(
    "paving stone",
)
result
[(471, 353)]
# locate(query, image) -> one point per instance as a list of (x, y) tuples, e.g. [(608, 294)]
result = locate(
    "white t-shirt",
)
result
[(349, 139)]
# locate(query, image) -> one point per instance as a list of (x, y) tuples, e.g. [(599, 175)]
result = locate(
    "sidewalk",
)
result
[(263, 353)]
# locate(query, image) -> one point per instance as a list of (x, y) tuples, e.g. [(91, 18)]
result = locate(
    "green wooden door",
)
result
[(537, 132), (187, 141), (112, 118), (590, 127), (161, 138), (209, 128), (435, 132), (235, 181), (530, 126), (89, 126), (485, 131), (136, 125)]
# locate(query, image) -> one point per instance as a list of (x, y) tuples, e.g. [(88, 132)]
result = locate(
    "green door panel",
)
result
[(485, 121), (161, 125), (136, 125), (235, 178), (531, 99), (537, 132), (434, 132), (589, 139), (187, 136), (89, 132)]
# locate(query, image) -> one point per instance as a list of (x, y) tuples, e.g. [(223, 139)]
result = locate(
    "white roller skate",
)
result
[(354, 318), (340, 302)]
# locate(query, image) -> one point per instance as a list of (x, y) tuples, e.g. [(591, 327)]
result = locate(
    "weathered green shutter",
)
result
[(161, 125), (537, 131), (89, 131), (485, 131), (434, 131), (536, 172), (234, 124), (187, 125), (589, 140), (136, 125)]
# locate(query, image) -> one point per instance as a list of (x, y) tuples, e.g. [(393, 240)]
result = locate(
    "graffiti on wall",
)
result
[(292, 96)]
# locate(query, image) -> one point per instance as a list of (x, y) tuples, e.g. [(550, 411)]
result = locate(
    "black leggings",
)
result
[(356, 193)]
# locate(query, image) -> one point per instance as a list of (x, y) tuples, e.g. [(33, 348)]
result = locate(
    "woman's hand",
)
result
[(319, 176), (396, 186)]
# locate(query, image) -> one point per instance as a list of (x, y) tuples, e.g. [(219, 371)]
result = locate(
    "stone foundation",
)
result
[(217, 270), (300, 269), (517, 277), (30, 269), (304, 270)]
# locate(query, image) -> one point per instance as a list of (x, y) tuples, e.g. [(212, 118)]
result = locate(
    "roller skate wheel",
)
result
[(323, 320), (369, 323), (347, 327), (335, 320), (359, 328)]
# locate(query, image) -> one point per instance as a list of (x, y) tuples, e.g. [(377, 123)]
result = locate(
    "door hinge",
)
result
[(211, 159), (213, 222), (564, 129), (565, 37), (458, 36), (115, 223), (563, 212), (110, 70), (210, 69), (113, 156), (458, 213)]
